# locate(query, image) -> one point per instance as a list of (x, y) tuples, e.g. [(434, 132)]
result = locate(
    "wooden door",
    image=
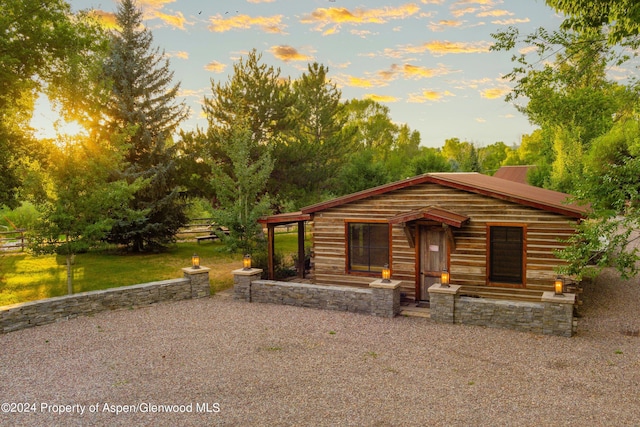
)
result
[(434, 257)]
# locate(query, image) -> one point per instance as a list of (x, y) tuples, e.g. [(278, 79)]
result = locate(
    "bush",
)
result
[(24, 216), (260, 258)]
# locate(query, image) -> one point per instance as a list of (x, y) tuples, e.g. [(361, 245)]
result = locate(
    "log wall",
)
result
[(468, 260)]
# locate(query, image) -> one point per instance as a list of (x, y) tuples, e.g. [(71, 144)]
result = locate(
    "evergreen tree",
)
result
[(308, 159), (142, 104)]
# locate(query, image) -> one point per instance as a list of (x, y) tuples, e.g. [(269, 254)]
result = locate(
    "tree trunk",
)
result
[(69, 275)]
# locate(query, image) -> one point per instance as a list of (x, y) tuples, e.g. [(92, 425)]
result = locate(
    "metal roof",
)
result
[(514, 173), (472, 182)]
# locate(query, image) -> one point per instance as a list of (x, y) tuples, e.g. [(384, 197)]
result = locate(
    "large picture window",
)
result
[(506, 254), (368, 246)]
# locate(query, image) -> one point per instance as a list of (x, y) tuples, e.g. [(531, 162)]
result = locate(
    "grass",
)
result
[(24, 277)]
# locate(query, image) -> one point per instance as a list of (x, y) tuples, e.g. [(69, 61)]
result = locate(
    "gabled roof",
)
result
[(433, 213), (514, 173), (472, 182)]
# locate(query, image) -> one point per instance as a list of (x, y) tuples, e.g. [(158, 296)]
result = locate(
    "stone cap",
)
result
[(191, 270), (439, 289), (393, 284), (559, 299), (250, 272)]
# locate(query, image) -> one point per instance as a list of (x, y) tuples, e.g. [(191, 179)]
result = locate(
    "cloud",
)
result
[(480, 2), (480, 120), (527, 49), (361, 33), (215, 67), (380, 98), (190, 93), (495, 13), (288, 53), (464, 11), (179, 54), (178, 20), (510, 21), (366, 82), (439, 47), (268, 24), (444, 24), (495, 92), (435, 47), (152, 9), (415, 72), (334, 17), (106, 19), (260, 1), (428, 95)]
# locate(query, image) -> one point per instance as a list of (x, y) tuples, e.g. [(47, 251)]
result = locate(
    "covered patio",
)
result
[(273, 221)]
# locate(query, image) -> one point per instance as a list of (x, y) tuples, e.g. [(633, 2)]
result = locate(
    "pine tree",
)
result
[(142, 104)]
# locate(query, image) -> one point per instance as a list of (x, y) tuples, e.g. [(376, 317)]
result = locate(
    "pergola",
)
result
[(283, 219)]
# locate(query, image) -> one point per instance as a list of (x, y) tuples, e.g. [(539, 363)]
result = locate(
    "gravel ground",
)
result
[(239, 364)]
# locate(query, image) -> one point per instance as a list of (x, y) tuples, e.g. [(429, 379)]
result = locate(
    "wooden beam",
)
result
[(301, 254), (271, 251)]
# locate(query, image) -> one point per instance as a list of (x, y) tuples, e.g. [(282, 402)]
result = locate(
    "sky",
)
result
[(427, 60)]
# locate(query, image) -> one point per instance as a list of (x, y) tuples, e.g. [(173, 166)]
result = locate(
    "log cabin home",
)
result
[(495, 237)]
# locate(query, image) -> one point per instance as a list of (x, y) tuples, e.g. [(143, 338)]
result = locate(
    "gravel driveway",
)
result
[(221, 362)]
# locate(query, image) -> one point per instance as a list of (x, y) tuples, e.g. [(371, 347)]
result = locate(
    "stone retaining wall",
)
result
[(380, 299), (194, 284), (347, 298), (553, 315), (521, 316)]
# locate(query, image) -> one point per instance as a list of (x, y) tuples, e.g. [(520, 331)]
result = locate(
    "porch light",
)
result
[(246, 262), (558, 285), (195, 261), (444, 278), (386, 274)]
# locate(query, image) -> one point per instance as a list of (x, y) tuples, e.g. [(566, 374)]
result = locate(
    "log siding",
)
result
[(468, 259)]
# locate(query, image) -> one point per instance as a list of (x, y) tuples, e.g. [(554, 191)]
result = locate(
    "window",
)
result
[(506, 254), (368, 247)]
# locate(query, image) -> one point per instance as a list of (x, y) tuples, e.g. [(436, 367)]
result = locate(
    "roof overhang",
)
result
[(431, 213), (286, 218)]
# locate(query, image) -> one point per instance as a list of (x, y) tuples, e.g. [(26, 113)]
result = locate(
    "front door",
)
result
[(434, 257)]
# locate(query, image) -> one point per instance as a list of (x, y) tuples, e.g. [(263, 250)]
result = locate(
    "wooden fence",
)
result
[(13, 240)]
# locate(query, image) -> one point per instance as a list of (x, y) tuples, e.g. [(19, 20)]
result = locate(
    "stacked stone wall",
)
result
[(25, 315), (520, 316)]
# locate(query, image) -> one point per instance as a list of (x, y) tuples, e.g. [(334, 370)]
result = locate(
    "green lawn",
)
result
[(24, 277)]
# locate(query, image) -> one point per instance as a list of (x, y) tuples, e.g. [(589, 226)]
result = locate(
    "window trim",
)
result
[(489, 282), (347, 265)]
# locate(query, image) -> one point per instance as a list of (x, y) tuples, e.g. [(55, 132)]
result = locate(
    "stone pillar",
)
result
[(442, 302), (558, 314), (385, 298), (242, 282), (199, 278)]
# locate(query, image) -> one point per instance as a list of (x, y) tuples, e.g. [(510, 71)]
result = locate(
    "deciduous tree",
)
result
[(84, 201)]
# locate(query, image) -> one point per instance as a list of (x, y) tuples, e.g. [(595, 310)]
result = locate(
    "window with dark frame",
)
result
[(506, 254), (368, 247)]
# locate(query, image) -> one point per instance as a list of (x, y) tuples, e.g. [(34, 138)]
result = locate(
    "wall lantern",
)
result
[(195, 261), (558, 285), (386, 274), (246, 262), (444, 278)]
